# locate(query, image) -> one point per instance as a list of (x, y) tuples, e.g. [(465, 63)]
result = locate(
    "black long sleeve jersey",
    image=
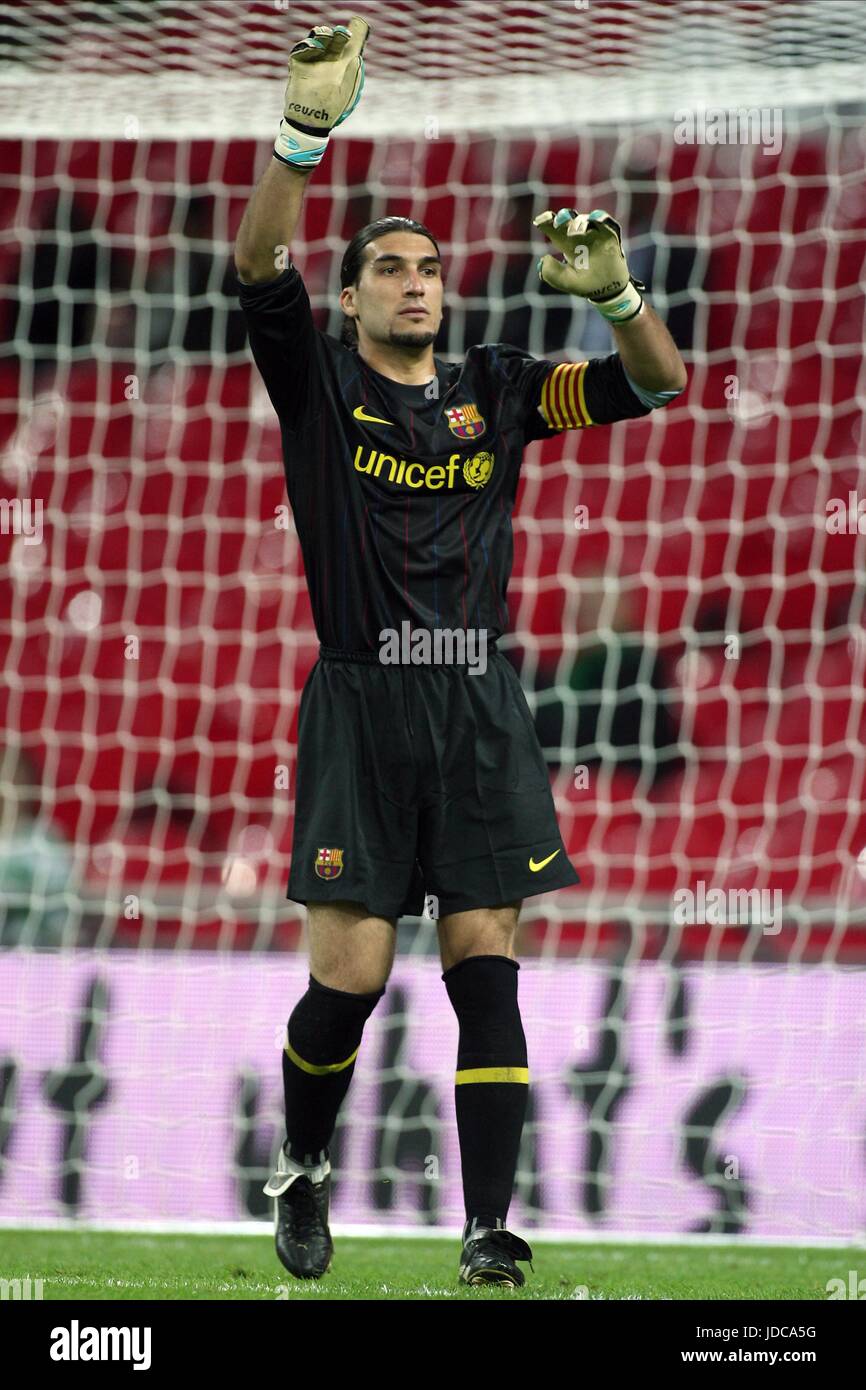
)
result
[(402, 495)]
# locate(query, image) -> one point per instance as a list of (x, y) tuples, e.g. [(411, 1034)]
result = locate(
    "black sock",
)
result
[(324, 1032), (491, 1107)]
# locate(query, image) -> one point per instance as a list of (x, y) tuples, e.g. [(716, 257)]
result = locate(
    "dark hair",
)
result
[(350, 267)]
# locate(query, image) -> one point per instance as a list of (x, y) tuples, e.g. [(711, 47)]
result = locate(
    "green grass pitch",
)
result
[(119, 1266)]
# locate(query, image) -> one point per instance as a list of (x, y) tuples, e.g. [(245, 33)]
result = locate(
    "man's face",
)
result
[(398, 297)]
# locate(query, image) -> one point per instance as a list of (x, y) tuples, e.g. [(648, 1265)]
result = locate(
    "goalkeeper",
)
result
[(402, 471)]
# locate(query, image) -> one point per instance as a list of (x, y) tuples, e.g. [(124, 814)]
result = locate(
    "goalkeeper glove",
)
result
[(326, 79), (595, 266)]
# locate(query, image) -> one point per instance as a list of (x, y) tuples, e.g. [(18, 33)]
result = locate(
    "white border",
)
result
[(67, 105), (354, 1231)]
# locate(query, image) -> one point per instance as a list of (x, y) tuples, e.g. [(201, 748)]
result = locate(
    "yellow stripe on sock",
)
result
[(520, 1075), (319, 1071)]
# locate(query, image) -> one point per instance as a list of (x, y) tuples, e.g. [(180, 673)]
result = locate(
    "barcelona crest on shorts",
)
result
[(465, 421), (329, 863)]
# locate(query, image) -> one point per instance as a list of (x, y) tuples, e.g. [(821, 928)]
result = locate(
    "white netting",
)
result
[(209, 69), (693, 643)]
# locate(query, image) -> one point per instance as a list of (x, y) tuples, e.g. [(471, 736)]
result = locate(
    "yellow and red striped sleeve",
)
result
[(563, 402)]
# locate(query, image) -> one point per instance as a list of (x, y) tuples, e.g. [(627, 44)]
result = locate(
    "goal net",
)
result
[(686, 606)]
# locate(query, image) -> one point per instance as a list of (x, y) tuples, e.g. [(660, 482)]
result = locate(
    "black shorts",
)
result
[(421, 780)]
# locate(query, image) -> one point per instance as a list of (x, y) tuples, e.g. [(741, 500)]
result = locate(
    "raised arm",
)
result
[(648, 352), (269, 223), (594, 268), (645, 373), (326, 79)]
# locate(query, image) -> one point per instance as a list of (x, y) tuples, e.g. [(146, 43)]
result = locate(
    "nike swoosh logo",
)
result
[(360, 414), (535, 867)]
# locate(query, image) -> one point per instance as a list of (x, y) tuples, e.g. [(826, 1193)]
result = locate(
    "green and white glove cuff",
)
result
[(300, 148), (621, 307)]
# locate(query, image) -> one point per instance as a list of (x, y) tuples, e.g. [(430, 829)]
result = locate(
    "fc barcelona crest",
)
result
[(465, 421), (329, 863)]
